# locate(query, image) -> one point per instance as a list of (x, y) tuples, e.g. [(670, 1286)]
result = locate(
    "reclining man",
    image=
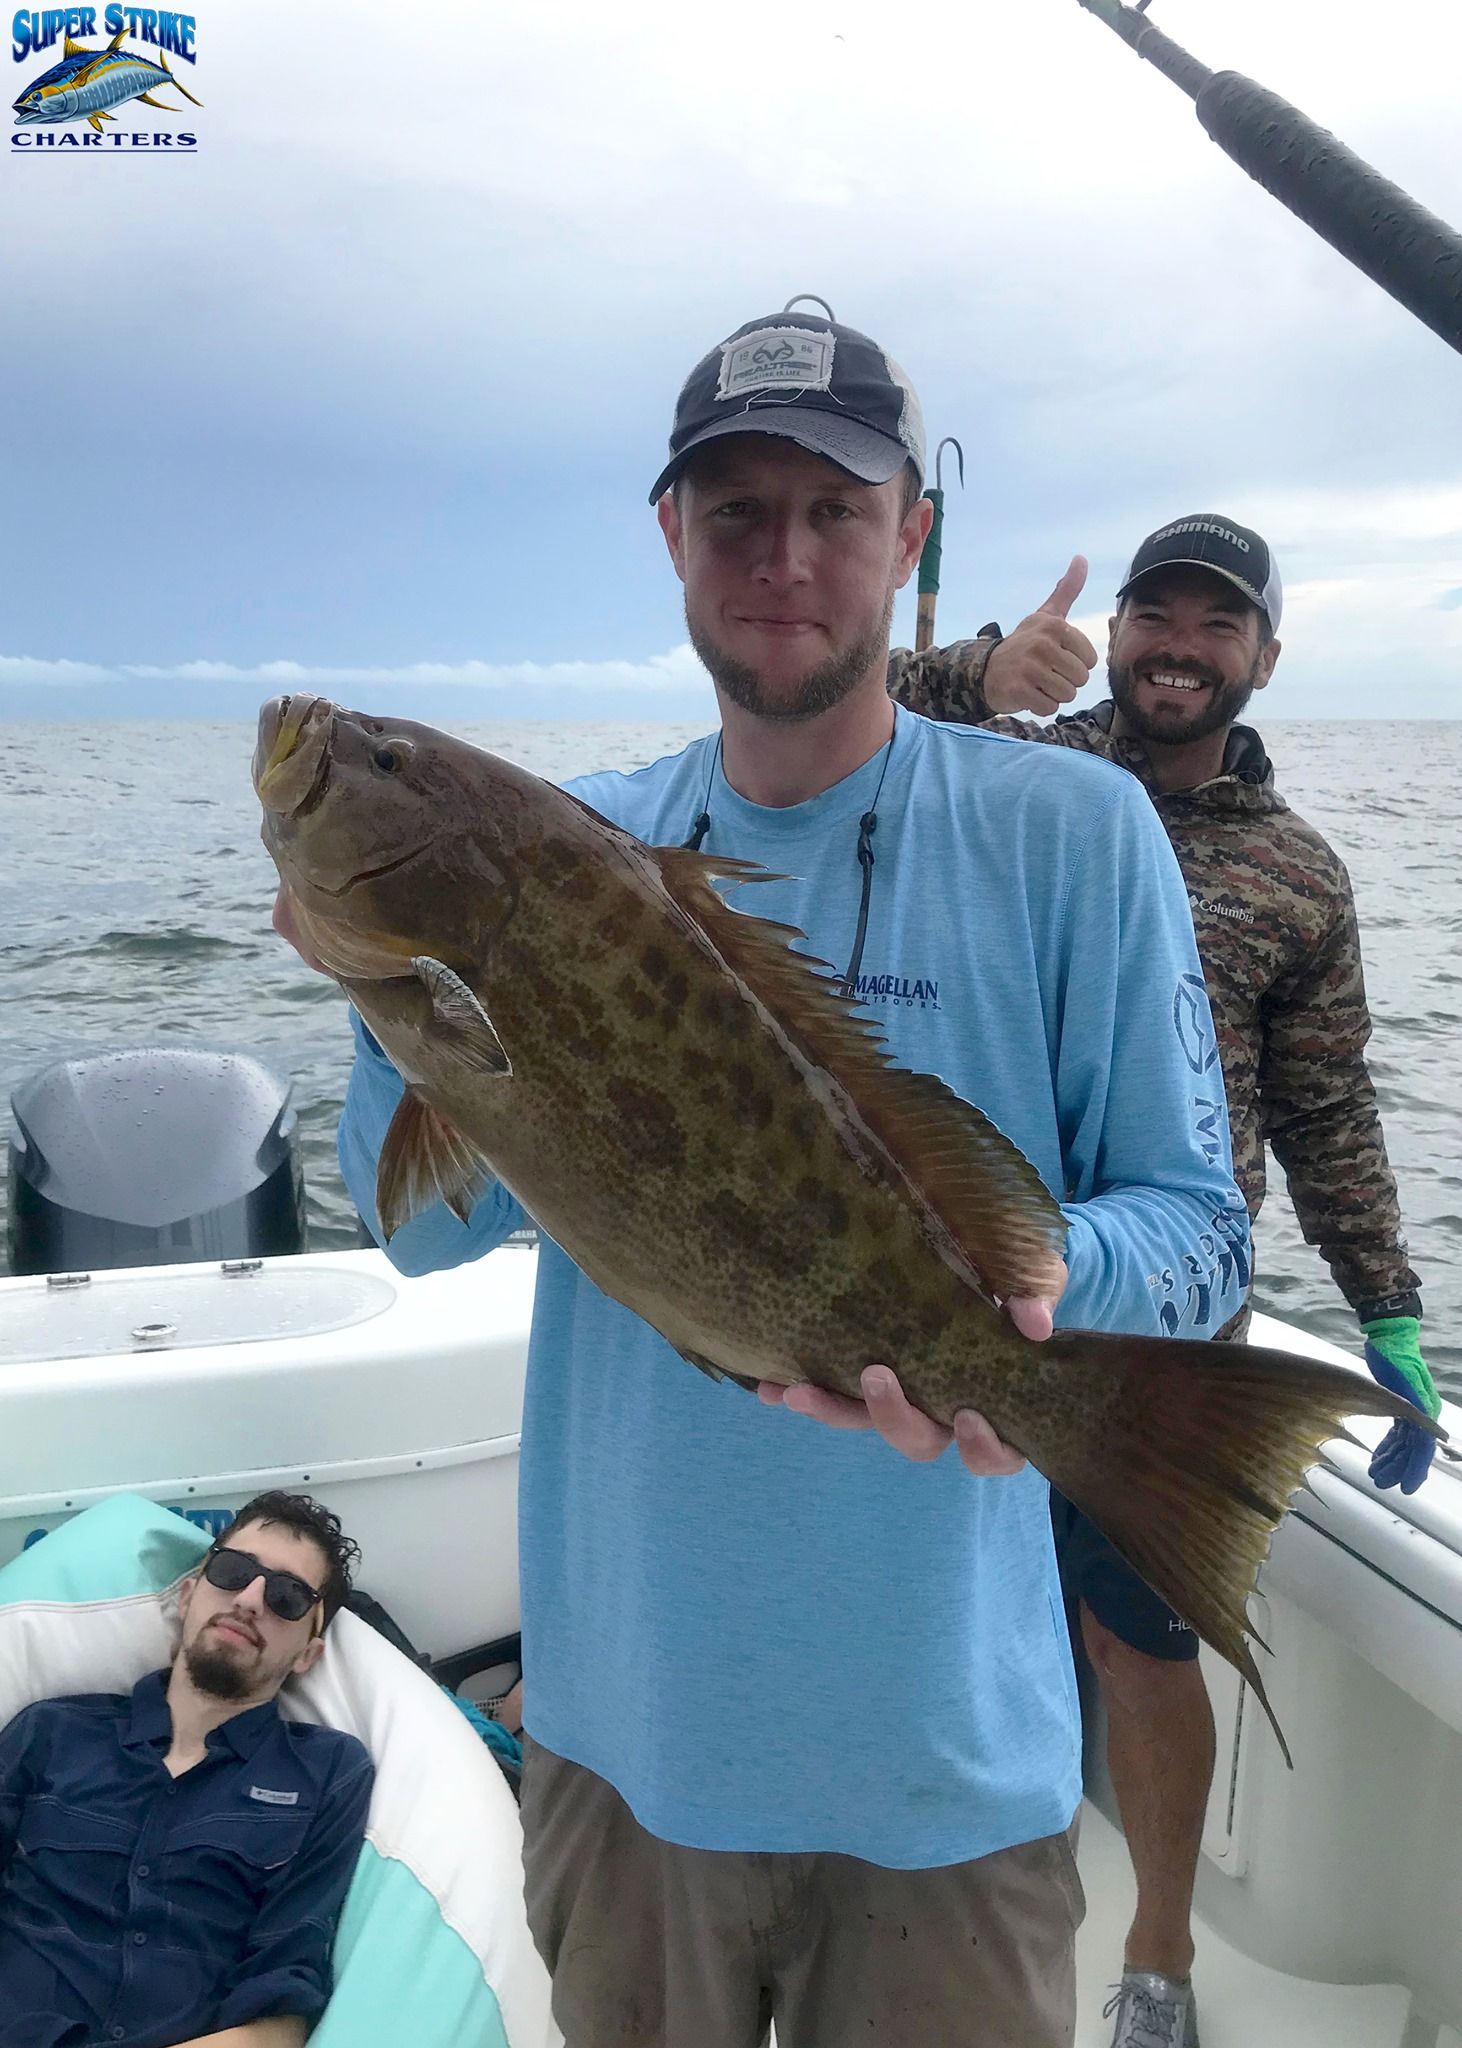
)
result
[(1192, 638), (173, 1862)]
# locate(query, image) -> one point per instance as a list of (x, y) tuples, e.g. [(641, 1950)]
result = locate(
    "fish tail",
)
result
[(1196, 1462), (162, 59)]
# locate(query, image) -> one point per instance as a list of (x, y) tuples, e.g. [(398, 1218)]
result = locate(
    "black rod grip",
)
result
[(1409, 252)]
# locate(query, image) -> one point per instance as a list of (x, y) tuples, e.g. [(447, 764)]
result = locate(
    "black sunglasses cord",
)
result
[(867, 826)]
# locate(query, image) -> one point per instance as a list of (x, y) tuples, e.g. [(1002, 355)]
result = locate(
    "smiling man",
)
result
[(1192, 639), (173, 1861)]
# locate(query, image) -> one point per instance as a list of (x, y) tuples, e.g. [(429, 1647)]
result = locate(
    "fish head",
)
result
[(49, 97), (388, 835), (39, 105)]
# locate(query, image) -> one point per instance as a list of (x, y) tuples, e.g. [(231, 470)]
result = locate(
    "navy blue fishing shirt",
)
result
[(142, 1909)]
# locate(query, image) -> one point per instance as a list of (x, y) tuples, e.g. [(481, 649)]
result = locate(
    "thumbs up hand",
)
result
[(1044, 662)]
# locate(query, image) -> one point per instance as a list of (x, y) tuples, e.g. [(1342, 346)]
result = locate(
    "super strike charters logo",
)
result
[(92, 78)]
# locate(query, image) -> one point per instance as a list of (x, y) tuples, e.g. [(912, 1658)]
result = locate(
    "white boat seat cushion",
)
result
[(433, 1946)]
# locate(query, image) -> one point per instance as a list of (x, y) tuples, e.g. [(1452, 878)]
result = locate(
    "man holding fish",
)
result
[(556, 1014)]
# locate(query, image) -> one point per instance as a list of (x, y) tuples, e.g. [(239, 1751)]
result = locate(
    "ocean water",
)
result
[(135, 899)]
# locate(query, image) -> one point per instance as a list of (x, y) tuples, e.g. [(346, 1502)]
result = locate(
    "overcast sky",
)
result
[(367, 395)]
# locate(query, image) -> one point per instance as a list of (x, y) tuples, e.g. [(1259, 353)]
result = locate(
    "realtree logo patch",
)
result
[(776, 357)]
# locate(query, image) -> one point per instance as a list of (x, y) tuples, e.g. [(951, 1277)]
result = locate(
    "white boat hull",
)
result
[(1329, 1898)]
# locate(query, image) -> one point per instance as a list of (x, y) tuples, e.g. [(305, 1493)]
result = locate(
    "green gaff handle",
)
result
[(929, 560)]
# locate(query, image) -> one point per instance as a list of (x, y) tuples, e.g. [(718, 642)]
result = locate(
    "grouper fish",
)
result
[(720, 1140)]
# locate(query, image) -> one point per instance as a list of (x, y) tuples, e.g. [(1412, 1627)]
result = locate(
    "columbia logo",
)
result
[(1236, 913)]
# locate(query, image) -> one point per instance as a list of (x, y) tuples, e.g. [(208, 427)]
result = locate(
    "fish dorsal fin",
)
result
[(89, 71), (982, 1188), (71, 48)]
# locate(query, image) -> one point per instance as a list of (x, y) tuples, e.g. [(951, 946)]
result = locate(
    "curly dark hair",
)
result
[(307, 1518)]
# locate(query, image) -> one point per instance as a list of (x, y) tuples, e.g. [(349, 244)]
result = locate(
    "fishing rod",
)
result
[(1404, 249)]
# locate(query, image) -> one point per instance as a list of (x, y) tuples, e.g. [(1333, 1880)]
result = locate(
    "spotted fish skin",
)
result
[(719, 1140), (658, 1125)]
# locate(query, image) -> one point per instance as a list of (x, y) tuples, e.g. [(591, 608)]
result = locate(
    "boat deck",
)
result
[(1241, 2004)]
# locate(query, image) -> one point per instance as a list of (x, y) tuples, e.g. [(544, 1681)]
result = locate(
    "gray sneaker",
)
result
[(1153, 2011)]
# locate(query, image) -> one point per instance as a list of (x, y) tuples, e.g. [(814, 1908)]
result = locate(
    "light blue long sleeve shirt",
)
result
[(773, 1636)]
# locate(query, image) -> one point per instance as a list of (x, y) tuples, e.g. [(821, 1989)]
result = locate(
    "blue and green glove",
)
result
[(1393, 1353)]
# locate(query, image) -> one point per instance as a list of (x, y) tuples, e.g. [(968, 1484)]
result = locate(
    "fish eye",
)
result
[(392, 756)]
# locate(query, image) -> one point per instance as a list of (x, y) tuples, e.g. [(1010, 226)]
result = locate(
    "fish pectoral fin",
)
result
[(461, 1019), (424, 1159), (1197, 1456), (116, 43)]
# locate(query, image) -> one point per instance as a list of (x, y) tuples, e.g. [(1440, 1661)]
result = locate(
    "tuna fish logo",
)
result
[(1192, 1022), (87, 82)]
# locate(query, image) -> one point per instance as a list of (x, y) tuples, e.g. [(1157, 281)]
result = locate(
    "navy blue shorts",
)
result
[(1092, 1571)]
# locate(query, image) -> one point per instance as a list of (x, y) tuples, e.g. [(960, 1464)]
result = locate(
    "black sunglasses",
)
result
[(284, 1594)]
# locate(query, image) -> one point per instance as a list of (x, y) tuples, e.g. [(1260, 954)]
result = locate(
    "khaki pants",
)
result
[(663, 1947)]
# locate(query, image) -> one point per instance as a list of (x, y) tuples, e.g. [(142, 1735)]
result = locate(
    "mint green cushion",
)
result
[(121, 1548), (88, 1608)]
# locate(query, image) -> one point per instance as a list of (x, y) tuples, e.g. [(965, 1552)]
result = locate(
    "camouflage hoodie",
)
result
[(1276, 930)]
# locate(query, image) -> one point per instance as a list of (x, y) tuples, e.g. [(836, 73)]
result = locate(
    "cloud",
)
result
[(670, 687), (396, 382), (23, 671), (677, 671)]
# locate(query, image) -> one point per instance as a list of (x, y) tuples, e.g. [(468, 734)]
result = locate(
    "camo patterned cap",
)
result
[(826, 387), (1207, 540)]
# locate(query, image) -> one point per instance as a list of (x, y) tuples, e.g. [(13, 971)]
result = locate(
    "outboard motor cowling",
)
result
[(153, 1157)]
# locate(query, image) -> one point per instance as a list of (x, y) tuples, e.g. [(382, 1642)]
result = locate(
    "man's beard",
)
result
[(1219, 708), (214, 1672), (818, 691)]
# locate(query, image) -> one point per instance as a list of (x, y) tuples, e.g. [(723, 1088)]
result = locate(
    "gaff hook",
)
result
[(934, 548), (948, 442)]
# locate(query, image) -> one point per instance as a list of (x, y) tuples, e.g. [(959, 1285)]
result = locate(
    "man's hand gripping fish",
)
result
[(718, 1138)]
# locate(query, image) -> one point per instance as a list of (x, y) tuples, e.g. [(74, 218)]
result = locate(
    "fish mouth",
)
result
[(292, 753)]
